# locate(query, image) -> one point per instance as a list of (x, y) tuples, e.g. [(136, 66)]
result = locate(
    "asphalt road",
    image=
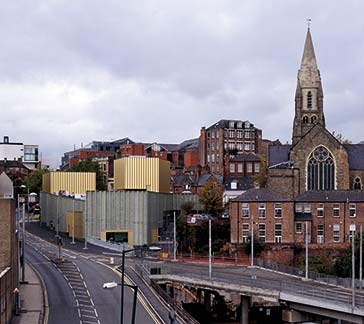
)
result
[(75, 288)]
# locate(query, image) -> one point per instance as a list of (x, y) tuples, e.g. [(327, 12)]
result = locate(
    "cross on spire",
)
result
[(308, 20)]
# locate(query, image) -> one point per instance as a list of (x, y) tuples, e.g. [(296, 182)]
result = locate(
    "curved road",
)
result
[(75, 292)]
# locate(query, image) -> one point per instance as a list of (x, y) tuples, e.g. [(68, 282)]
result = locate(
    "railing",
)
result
[(144, 273), (321, 277), (308, 290)]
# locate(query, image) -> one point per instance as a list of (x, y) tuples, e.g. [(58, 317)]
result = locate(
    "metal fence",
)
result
[(308, 290), (144, 272), (321, 277)]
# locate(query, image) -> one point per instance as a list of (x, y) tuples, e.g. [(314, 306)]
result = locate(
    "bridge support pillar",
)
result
[(244, 309), (207, 300)]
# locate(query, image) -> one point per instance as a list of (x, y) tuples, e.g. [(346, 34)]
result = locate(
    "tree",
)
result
[(87, 165), (211, 197), (34, 180), (261, 177), (341, 138)]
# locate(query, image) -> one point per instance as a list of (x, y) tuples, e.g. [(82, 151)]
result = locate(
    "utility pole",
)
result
[(73, 221), (306, 239), (210, 258), (353, 266), (361, 258), (174, 236), (23, 247), (85, 223), (252, 244)]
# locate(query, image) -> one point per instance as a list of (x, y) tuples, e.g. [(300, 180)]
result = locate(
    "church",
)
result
[(315, 183)]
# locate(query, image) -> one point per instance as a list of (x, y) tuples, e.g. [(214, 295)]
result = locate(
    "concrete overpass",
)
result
[(301, 299)]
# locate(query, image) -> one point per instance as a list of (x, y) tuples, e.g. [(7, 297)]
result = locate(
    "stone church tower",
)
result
[(309, 95)]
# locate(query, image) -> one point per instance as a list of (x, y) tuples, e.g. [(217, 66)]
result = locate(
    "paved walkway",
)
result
[(31, 299)]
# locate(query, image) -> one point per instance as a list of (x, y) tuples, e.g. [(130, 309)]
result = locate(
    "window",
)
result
[(320, 233), (320, 210), (352, 210), (309, 100), (352, 232), (298, 208), (256, 167), (213, 146), (249, 167), (278, 233), (240, 167), (217, 134), (231, 145), (231, 133), (357, 183), (336, 232), (233, 185), (239, 125), (261, 210), (261, 232), (30, 154), (231, 124), (208, 158), (320, 170), (245, 232), (213, 134), (245, 210), (305, 119), (239, 146), (212, 157), (313, 119), (232, 168), (298, 228), (278, 210), (247, 134), (307, 208), (246, 125), (239, 134), (336, 210), (247, 146)]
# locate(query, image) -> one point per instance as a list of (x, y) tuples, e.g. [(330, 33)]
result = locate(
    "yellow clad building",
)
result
[(73, 182), (142, 173)]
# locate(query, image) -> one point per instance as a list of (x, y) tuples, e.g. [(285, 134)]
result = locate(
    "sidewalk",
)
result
[(31, 299)]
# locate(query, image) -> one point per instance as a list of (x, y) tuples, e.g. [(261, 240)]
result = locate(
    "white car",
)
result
[(110, 285)]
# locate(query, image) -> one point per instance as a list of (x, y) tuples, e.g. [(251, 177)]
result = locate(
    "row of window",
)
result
[(262, 210), (305, 208), (239, 167), (298, 230), (262, 232)]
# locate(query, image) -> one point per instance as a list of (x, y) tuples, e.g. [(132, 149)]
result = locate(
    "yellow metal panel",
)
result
[(155, 235), (78, 223), (141, 173), (73, 182)]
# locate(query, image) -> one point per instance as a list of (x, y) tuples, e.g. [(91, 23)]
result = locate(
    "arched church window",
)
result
[(320, 170), (357, 183), (313, 119), (309, 100), (305, 119)]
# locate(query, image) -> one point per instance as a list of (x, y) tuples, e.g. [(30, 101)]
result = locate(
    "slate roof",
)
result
[(261, 194), (224, 123), (246, 157), (180, 179), (204, 177), (278, 154), (243, 183), (331, 195), (12, 164), (355, 155)]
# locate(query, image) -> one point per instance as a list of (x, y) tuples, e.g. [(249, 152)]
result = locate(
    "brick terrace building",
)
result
[(227, 138), (331, 216)]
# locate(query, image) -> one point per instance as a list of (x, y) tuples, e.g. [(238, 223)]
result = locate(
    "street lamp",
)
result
[(23, 236)]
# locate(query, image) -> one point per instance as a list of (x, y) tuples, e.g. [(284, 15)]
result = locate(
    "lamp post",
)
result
[(122, 286), (23, 238), (352, 230), (252, 244), (306, 254), (210, 258)]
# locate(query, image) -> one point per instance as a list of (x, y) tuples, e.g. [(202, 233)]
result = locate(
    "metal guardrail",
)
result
[(144, 273), (308, 290), (324, 278)]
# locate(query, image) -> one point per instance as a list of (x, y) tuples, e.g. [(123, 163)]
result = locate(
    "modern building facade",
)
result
[(69, 183), (141, 173)]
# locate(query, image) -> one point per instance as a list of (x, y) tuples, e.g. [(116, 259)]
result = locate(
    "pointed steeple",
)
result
[(309, 94), (308, 57)]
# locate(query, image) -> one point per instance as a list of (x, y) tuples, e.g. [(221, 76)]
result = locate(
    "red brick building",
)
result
[(331, 217)]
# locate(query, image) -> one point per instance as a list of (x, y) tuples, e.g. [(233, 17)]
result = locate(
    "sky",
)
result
[(157, 71)]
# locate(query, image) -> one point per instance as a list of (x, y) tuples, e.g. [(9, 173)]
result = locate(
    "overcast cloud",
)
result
[(76, 71)]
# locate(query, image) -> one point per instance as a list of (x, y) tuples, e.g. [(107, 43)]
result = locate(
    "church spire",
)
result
[(309, 95)]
